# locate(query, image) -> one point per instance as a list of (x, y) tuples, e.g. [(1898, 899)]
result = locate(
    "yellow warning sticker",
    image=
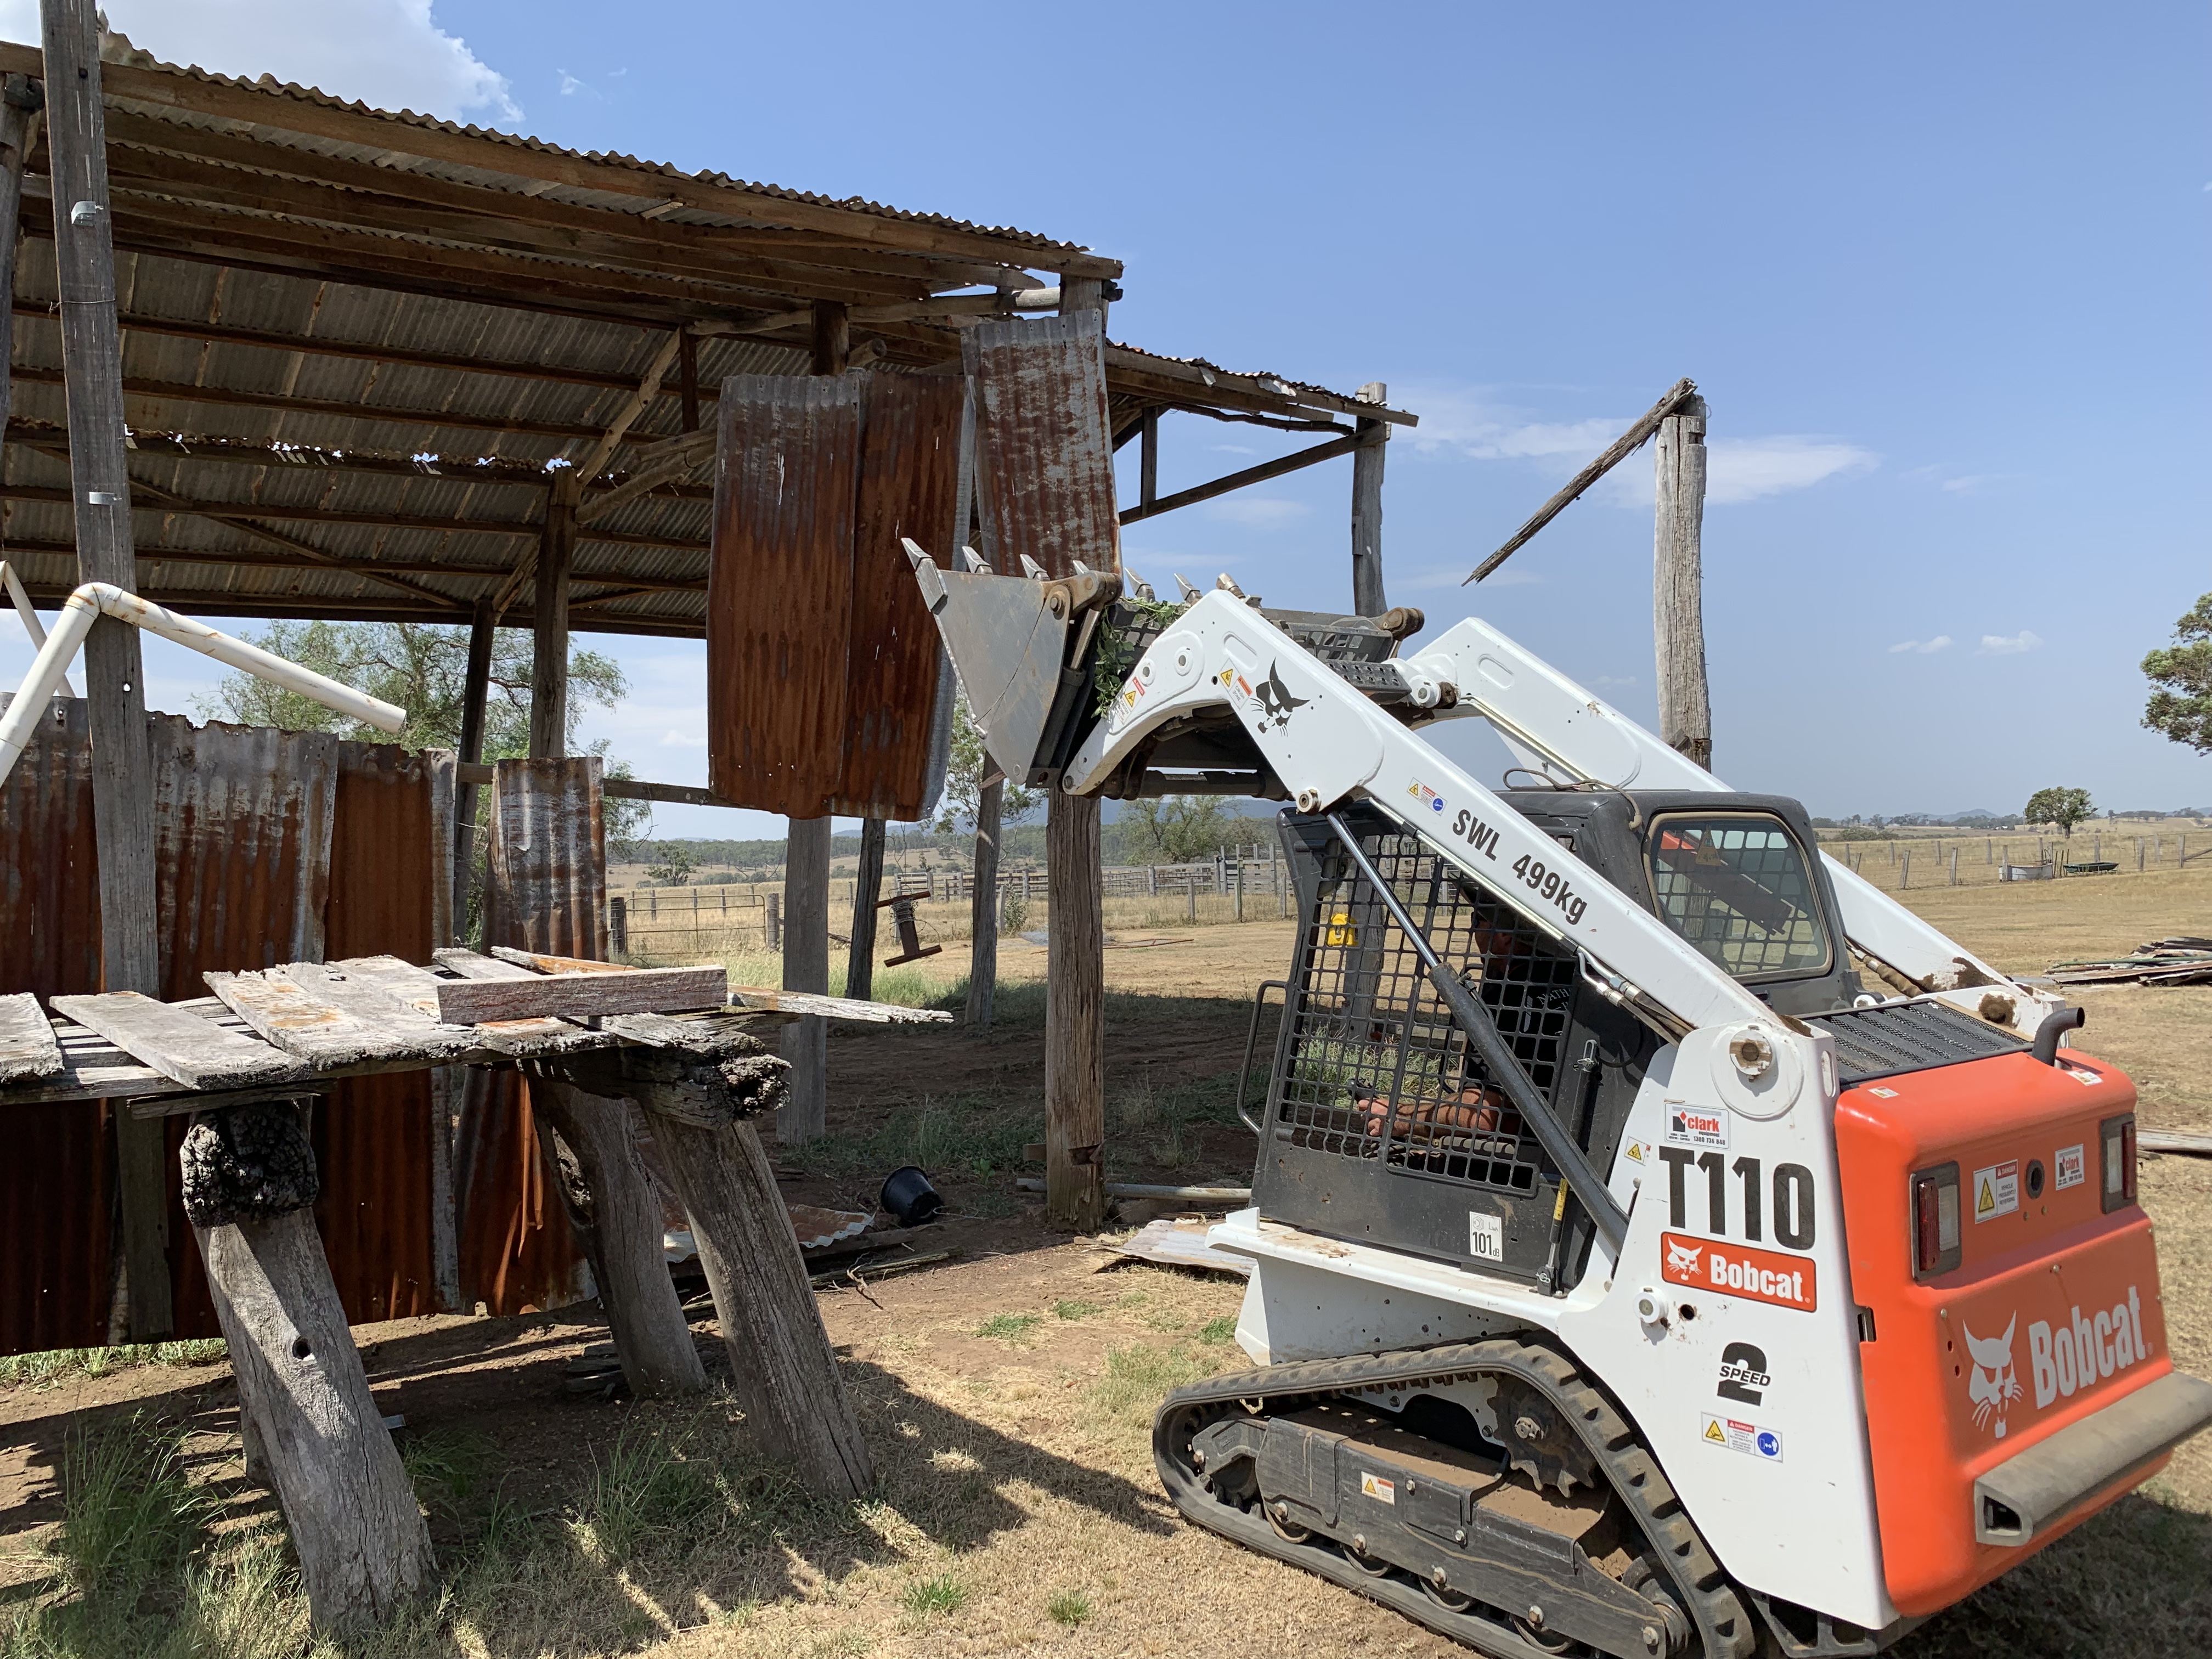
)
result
[(1635, 1153), (1715, 1433), (1996, 1190), (1375, 1486)]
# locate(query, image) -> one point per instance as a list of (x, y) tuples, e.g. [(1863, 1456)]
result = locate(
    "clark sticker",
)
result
[(1749, 1439), (1787, 1281)]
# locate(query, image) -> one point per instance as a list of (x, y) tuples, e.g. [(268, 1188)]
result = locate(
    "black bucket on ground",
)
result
[(909, 1197)]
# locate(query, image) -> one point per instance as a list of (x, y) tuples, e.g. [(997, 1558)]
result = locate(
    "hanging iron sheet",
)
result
[(1044, 447)]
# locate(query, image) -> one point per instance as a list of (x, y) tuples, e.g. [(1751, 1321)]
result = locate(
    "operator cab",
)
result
[(1739, 877)]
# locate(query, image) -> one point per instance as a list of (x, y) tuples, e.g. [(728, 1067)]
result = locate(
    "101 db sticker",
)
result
[(1486, 1237)]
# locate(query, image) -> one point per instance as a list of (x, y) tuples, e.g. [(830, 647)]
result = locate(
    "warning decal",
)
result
[(1375, 1486), (1749, 1439), (1996, 1190)]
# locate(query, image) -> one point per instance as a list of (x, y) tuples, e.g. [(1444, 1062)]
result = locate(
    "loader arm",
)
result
[(1553, 725)]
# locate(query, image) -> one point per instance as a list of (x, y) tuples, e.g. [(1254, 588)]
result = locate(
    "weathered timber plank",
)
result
[(178, 1044), (710, 1033), (185, 1101), (546, 965), (471, 965), (577, 996), (520, 1038), (28, 1048), (328, 1020), (755, 999)]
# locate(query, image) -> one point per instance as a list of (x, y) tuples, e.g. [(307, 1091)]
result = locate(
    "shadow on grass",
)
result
[(2130, 1583)]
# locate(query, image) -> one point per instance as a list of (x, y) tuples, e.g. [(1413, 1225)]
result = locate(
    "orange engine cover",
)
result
[(2051, 1313)]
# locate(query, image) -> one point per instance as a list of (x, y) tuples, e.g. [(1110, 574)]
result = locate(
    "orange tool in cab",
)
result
[(2013, 1341)]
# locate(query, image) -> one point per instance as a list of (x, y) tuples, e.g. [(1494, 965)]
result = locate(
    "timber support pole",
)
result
[(548, 670), (1367, 598), (867, 888), (806, 967), (476, 697), (1075, 972), (306, 1414), (1686, 710), (99, 491), (983, 909)]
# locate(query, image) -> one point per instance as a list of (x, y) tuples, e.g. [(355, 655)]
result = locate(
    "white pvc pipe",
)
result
[(28, 613), (85, 606)]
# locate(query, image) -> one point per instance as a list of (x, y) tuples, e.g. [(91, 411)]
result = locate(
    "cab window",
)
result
[(1737, 886)]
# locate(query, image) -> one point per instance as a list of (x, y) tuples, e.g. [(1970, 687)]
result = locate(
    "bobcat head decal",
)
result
[(1993, 1384), (1681, 1260)]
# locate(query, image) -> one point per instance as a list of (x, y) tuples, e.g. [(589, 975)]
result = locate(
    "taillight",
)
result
[(1935, 1221), (2117, 1136)]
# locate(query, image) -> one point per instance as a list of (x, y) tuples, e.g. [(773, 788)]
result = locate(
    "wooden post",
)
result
[(1685, 710), (687, 375), (806, 967), (549, 662), (99, 491), (617, 1212), (1148, 456), (867, 888), (833, 336), (1367, 507), (983, 909), (305, 1407), (782, 1368), (475, 694)]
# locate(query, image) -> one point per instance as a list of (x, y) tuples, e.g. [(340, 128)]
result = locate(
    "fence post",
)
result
[(1905, 880), (1190, 891), (1240, 886), (618, 927), (776, 921), (1954, 866)]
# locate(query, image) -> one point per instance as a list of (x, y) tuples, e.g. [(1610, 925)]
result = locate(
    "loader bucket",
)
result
[(1020, 646)]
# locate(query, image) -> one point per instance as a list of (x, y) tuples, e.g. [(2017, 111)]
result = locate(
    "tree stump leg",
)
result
[(781, 1366), (651, 1335), (304, 1403)]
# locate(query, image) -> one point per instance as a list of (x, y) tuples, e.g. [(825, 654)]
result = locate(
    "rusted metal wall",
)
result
[(56, 1228), (271, 847), (909, 478), (1044, 447), (545, 889), (780, 590)]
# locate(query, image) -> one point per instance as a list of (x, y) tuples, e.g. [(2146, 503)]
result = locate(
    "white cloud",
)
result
[(1458, 422), (1921, 647), (387, 52), (2010, 644), (1608, 682), (1236, 449), (673, 739), (1260, 512), (1969, 482), (1745, 469)]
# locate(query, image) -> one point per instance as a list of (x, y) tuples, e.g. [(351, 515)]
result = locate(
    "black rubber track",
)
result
[(1725, 1628)]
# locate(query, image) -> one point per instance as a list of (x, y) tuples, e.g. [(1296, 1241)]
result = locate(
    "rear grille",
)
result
[(1909, 1037), (1377, 1068)]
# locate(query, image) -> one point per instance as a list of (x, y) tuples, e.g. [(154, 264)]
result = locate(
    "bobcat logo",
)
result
[(1275, 700), (1994, 1384), (1682, 1261)]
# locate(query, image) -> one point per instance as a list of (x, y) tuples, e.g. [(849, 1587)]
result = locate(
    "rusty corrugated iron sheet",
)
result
[(56, 1231), (1044, 447), (908, 486), (545, 889), (242, 818), (376, 1137), (780, 590)]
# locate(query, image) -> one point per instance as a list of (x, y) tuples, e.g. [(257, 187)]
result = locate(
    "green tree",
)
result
[(966, 766), (2180, 704), (1174, 828), (423, 669), (676, 866), (2063, 807)]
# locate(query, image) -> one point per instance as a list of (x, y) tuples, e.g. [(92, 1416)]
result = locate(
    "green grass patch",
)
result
[(57, 1364), (944, 1594), (1073, 1310), (967, 1135), (1217, 1333), (1138, 1379), (1070, 1608), (1008, 1327)]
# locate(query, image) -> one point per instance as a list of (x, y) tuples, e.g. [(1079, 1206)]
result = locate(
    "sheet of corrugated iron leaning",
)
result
[(910, 481), (780, 590), (1044, 448), (246, 822), (545, 889), (55, 1228)]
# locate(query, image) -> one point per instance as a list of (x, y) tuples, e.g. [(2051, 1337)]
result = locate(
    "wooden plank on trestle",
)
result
[(28, 1048), (178, 1044), (314, 1011), (538, 963), (519, 1039), (471, 965), (579, 996), (827, 1007)]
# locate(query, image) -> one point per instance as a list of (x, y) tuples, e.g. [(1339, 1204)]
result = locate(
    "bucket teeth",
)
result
[(1190, 595), (1138, 585), (972, 562), (1031, 568)]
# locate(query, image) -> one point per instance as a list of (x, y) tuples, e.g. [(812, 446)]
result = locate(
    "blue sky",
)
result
[(1940, 272)]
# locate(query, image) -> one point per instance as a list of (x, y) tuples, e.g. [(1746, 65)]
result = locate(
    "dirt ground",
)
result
[(1006, 1393)]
